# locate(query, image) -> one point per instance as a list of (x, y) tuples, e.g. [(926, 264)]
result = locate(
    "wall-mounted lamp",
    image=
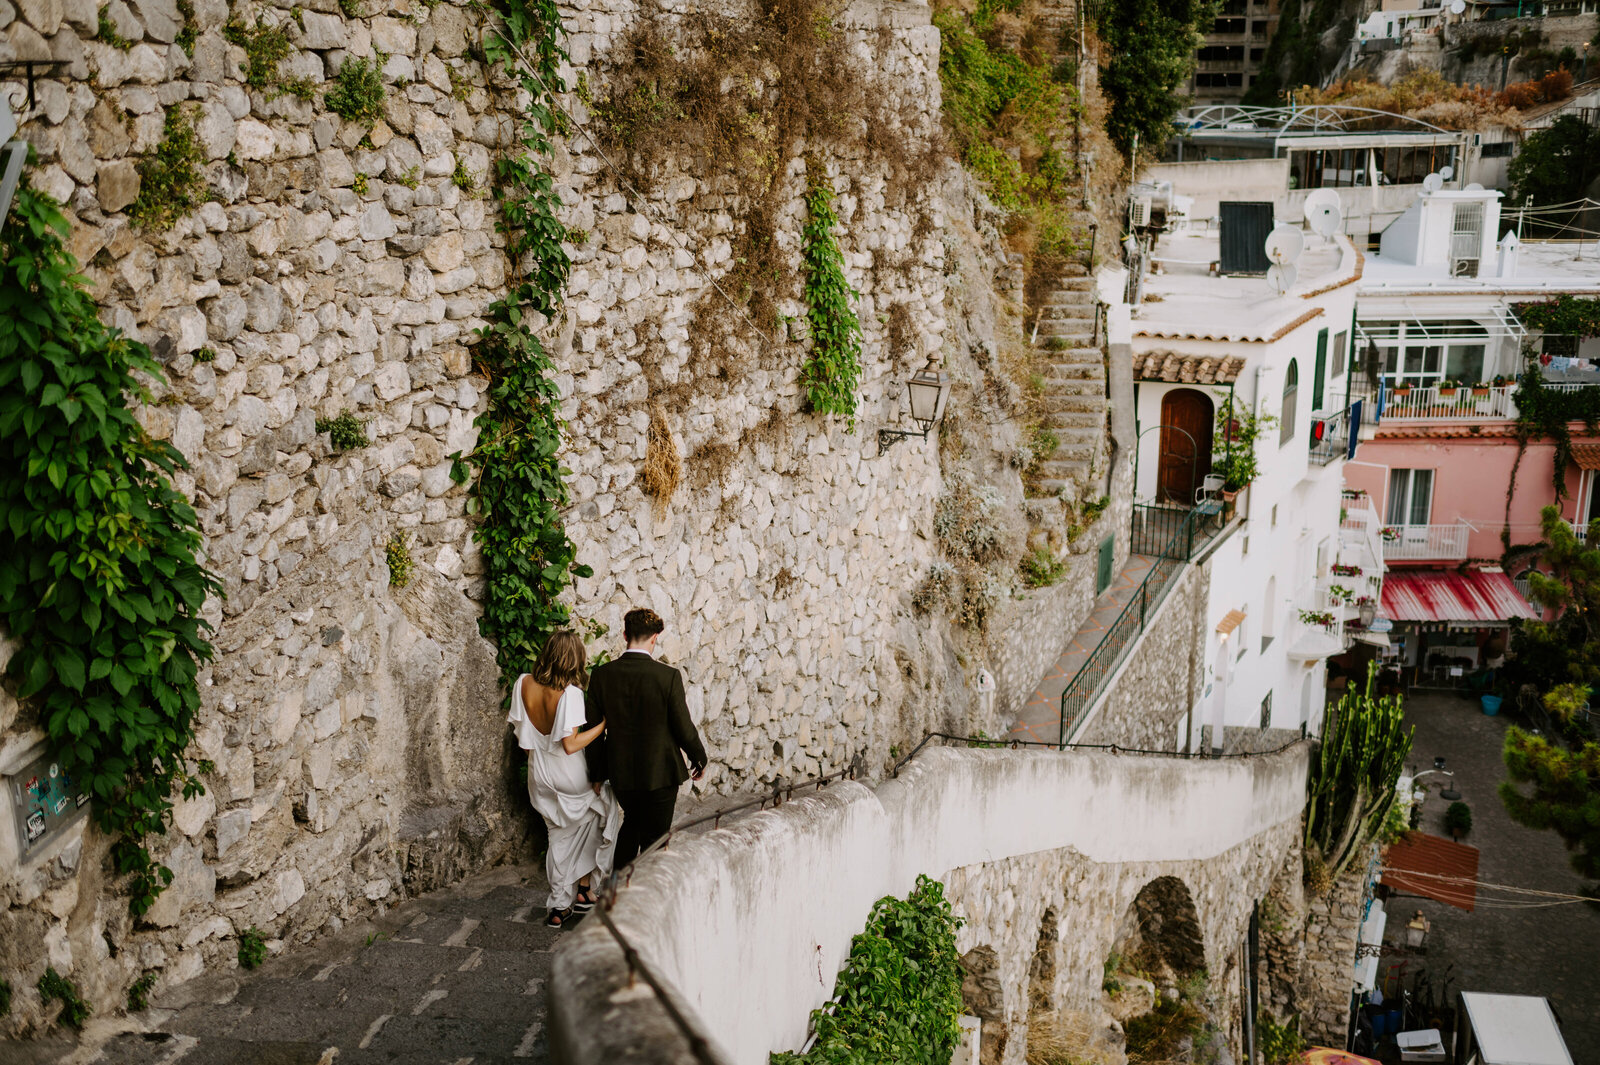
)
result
[(929, 390), (1367, 612)]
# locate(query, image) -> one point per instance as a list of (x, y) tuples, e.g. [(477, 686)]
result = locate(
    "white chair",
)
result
[(1208, 497)]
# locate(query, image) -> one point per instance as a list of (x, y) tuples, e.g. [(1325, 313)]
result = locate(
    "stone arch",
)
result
[(1164, 934), (983, 995)]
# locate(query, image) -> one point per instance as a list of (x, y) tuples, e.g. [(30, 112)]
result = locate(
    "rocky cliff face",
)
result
[(342, 267)]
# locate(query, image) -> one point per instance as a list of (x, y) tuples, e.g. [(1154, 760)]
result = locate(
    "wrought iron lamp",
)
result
[(929, 390), (1367, 612)]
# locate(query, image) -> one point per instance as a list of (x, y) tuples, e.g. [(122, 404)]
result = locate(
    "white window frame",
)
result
[(1407, 503)]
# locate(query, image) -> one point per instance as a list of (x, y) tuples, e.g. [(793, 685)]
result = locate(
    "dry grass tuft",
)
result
[(663, 470)]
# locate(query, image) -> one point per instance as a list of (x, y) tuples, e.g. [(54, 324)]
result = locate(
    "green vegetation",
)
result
[(357, 94), (397, 552), (1160, 1035), (191, 29), (5, 997), (1233, 445), (833, 371), (1108, 974), (1281, 1044), (100, 583), (898, 997), (171, 183), (1555, 166), (359, 186), (264, 47), (462, 179), (252, 948), (1294, 56), (519, 491), (1352, 779), (139, 992), (1552, 655), (55, 987), (1149, 47), (1458, 819), (345, 433), (1042, 568), (107, 31), (1564, 797)]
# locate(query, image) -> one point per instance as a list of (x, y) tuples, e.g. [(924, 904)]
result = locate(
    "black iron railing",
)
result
[(1168, 533)]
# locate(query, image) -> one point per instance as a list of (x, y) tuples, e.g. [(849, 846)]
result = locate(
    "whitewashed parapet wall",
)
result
[(356, 728)]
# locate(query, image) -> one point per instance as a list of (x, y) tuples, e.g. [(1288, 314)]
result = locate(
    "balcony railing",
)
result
[(1419, 543), (1581, 531), (1432, 402), (1360, 534), (1330, 436)]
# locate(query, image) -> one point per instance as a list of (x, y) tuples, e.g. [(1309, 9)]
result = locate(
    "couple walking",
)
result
[(630, 721)]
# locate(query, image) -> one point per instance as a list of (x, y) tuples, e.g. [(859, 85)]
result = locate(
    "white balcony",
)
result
[(1431, 403), (1425, 543), (1317, 627)]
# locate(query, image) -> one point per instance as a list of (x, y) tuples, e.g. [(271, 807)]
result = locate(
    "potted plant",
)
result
[(1402, 389), (1390, 534), (1480, 388), (1341, 570), (1447, 387), (1339, 594), (1458, 819), (1501, 380), (1317, 617), (1233, 446)]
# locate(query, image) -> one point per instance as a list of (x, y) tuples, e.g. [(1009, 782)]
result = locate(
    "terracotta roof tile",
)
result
[(1586, 453), (1190, 369), (1440, 869)]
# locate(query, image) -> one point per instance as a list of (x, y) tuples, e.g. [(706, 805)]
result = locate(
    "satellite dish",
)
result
[(1474, 187), (1319, 197), (1284, 244), (1457, 6), (1282, 278), (1432, 183), (1447, 172)]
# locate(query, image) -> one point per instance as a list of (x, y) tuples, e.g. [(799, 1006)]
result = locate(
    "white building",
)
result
[(1201, 340)]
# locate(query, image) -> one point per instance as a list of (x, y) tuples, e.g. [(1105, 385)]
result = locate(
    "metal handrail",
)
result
[(1091, 677)]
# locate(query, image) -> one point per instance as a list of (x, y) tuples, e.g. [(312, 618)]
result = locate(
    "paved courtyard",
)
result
[(452, 978), (1511, 948)]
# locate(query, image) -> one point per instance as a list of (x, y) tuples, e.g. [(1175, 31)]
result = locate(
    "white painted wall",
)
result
[(750, 923)]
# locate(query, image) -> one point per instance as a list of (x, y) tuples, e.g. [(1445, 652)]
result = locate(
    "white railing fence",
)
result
[(1425, 542), (1432, 402)]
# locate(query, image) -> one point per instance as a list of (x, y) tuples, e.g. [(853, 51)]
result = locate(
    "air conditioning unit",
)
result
[(1140, 208)]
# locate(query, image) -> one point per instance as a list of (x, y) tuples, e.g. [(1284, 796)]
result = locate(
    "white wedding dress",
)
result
[(583, 825)]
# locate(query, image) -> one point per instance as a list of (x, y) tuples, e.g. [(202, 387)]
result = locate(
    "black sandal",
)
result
[(584, 901), (558, 918)]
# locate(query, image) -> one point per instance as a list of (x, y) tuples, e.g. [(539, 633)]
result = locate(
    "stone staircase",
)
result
[(1074, 398)]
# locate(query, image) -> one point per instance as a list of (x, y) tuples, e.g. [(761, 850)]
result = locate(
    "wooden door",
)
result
[(1185, 445)]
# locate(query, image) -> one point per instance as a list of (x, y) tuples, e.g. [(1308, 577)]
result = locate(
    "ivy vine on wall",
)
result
[(518, 493), (100, 580), (898, 997), (833, 371), (1573, 316)]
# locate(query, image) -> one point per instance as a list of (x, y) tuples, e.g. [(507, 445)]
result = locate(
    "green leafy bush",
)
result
[(398, 554), (264, 48), (357, 94), (1160, 1034), (171, 183), (100, 586), (898, 997), (252, 948), (1042, 568), (345, 433), (55, 987), (139, 992), (833, 371), (1280, 1044), (1149, 50), (107, 33), (1458, 818)]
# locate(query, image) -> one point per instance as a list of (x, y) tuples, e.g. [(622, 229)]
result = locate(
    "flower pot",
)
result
[(1480, 391), (1490, 703), (1456, 834)]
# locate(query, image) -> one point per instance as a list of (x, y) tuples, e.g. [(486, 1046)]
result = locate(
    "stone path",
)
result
[(1546, 951), (452, 978), (1041, 714)]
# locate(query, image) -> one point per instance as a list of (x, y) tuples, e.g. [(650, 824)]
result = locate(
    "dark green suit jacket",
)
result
[(647, 725)]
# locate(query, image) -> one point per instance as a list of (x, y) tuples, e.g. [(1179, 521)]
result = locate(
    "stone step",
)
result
[(1074, 280), (1076, 301), (1076, 403), (1071, 459), (1071, 328), (1078, 356), (1075, 434), (1066, 420), (1074, 371), (1049, 486)]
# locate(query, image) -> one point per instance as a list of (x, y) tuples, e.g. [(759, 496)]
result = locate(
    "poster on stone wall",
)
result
[(44, 800)]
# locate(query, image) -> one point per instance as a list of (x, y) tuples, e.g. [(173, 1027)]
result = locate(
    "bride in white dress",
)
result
[(547, 715)]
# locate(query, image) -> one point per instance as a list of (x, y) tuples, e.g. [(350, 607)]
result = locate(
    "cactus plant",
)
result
[(1353, 774)]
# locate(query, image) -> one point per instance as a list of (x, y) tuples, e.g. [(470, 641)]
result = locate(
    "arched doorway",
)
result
[(1185, 445)]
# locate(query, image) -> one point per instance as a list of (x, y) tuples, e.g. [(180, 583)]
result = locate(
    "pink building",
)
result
[(1440, 342)]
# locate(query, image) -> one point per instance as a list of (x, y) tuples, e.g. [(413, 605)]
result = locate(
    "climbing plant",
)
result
[(833, 371), (1570, 316), (1545, 411), (518, 493), (1352, 778), (100, 583), (898, 997)]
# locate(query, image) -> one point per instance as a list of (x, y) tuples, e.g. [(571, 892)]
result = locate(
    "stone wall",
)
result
[(1147, 700), (1308, 945), (356, 727), (747, 923)]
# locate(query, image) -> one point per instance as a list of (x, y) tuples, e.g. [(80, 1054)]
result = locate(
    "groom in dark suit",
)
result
[(647, 725)]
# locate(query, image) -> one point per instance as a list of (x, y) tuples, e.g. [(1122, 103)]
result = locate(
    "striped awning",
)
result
[(1586, 453), (1478, 595)]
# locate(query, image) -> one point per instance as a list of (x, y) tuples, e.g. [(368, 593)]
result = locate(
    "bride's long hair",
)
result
[(562, 662)]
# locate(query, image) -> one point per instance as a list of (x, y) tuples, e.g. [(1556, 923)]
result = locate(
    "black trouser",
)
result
[(646, 816)]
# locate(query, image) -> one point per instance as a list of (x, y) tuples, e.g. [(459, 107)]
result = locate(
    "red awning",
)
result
[(1439, 595), (1433, 867)]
